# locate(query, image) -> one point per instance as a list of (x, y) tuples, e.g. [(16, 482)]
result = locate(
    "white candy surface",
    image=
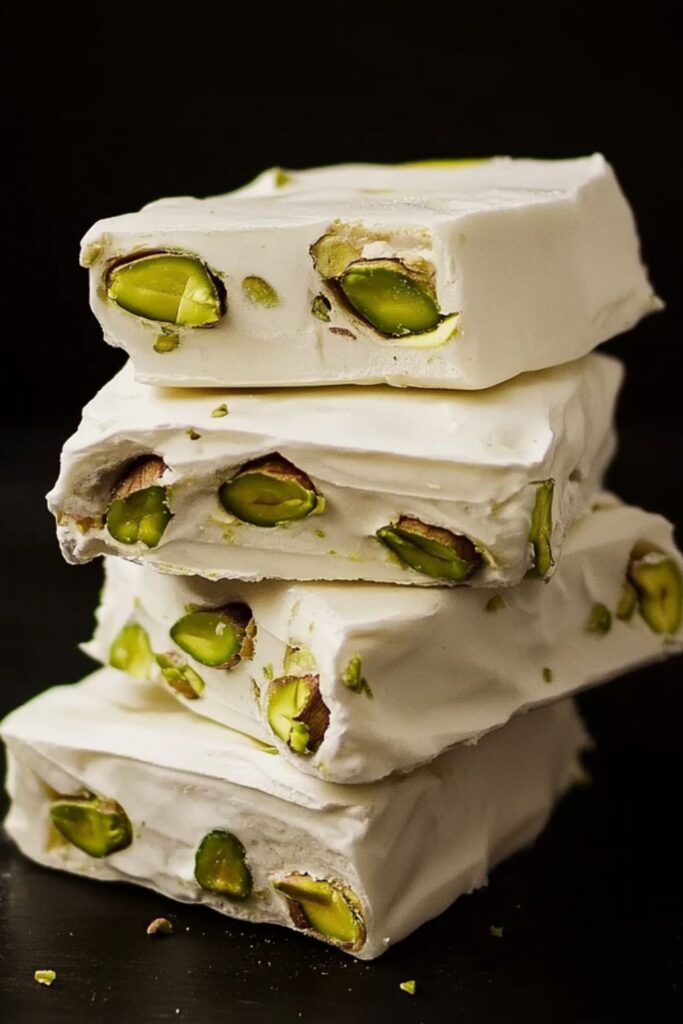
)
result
[(179, 777), (468, 462), (539, 260), (442, 668)]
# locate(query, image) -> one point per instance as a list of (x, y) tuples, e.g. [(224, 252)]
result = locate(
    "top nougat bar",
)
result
[(460, 274)]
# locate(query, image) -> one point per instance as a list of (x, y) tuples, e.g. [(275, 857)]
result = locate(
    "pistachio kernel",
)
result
[(160, 926), (496, 931), (297, 713), (215, 637), (321, 308), (220, 411), (329, 909), (332, 254), (90, 254), (131, 651), (259, 292), (353, 677), (167, 287), (166, 343), (392, 298), (432, 550), (139, 512), (281, 177), (495, 603), (220, 866), (269, 491), (193, 434), (95, 825), (628, 602), (298, 660), (599, 620), (44, 977), (659, 589), (180, 676), (547, 675), (409, 986), (541, 530)]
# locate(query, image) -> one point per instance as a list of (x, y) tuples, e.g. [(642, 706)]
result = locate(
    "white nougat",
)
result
[(395, 853), (468, 463), (404, 673), (532, 263)]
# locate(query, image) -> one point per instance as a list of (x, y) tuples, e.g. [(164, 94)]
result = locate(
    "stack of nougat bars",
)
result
[(358, 560)]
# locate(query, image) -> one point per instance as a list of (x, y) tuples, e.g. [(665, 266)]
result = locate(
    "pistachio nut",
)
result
[(270, 490), (329, 909), (259, 292), (298, 660), (45, 977), (659, 588), (167, 287), (547, 674), (541, 530), (166, 343), (495, 603), (160, 926), (321, 307), (180, 676), (131, 651), (628, 602), (139, 512), (220, 411), (332, 254), (353, 677), (215, 637), (220, 865), (297, 713), (94, 824), (392, 298), (409, 986), (431, 549), (599, 620)]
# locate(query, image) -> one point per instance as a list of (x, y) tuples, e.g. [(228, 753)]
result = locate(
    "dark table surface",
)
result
[(592, 916)]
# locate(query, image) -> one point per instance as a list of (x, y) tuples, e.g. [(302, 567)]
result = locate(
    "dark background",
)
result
[(109, 108)]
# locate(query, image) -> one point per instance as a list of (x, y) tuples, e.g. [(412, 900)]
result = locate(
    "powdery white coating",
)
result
[(539, 259), (442, 668), (178, 777), (469, 462)]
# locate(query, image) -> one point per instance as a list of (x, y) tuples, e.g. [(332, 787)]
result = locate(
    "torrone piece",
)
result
[(352, 683), (132, 788), (460, 275), (430, 488)]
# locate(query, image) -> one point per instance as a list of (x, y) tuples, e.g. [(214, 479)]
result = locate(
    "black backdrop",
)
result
[(109, 108)]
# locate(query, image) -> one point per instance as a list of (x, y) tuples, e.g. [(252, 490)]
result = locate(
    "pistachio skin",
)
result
[(388, 297), (95, 825), (269, 491), (432, 550), (213, 637), (541, 530), (220, 866), (329, 909), (167, 287)]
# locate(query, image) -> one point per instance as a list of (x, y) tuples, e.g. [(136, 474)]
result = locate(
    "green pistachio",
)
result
[(281, 177), (659, 588), (431, 549), (139, 512), (90, 254), (599, 620), (297, 713), (495, 603), (259, 292), (131, 651), (353, 677), (166, 343), (44, 977), (409, 986), (214, 637), (160, 926), (167, 287), (390, 297), (220, 411), (298, 660), (321, 308), (541, 530), (180, 676), (269, 491), (94, 824), (330, 909), (220, 865), (547, 675), (628, 602)]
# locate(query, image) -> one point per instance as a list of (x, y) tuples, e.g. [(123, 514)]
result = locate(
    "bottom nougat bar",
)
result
[(114, 780)]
